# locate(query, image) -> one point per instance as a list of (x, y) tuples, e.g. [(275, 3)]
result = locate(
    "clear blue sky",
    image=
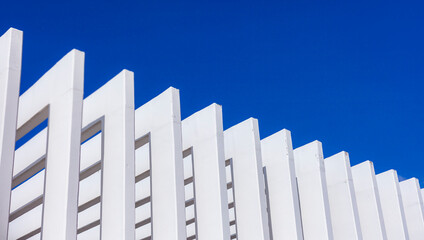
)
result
[(347, 73)]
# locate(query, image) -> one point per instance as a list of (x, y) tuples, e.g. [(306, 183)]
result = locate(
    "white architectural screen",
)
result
[(98, 168)]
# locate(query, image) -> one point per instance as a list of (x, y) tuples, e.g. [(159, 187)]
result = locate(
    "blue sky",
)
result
[(347, 73)]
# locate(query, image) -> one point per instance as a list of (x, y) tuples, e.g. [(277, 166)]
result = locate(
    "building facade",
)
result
[(101, 169)]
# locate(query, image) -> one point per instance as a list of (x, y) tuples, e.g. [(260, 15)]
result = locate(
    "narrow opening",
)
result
[(27, 195), (143, 193), (90, 181), (190, 194), (268, 207), (231, 198)]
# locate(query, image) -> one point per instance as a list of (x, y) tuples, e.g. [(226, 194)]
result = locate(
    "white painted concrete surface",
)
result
[(10, 77), (102, 170), (114, 103), (161, 118), (342, 199), (203, 132), (391, 205), (368, 200), (242, 145), (61, 102), (413, 207), (278, 160), (313, 194)]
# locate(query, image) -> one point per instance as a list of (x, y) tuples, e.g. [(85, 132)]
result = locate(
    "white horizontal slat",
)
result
[(35, 237), (188, 166), (142, 159), (228, 173), (142, 189), (230, 195), (191, 229), (27, 191), (90, 234), (143, 231), (143, 212), (189, 191), (26, 223), (89, 215), (233, 229), (232, 214), (189, 212), (89, 188), (32, 150), (91, 151)]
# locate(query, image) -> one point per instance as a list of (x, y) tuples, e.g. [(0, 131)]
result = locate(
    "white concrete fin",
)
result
[(312, 188), (203, 133), (391, 205), (10, 77), (341, 195), (278, 161), (368, 201), (422, 193), (113, 106), (103, 170), (61, 102), (413, 207), (160, 121), (242, 146)]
